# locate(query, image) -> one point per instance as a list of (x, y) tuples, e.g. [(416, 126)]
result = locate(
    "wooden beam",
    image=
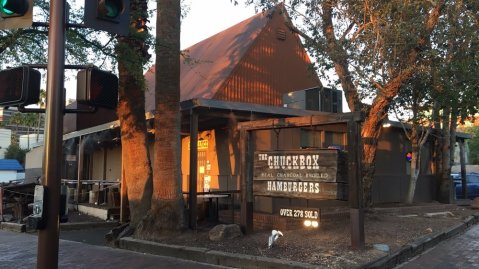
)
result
[(193, 182), (462, 158), (295, 122), (123, 197), (246, 181), (355, 186), (81, 153)]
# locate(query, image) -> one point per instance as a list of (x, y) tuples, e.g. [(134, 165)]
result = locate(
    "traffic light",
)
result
[(96, 87), (108, 15), (16, 13), (19, 86)]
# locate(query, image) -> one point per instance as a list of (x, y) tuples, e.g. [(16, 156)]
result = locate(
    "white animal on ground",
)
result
[(273, 237)]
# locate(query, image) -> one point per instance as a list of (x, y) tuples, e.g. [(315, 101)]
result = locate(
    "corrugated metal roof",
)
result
[(10, 165), (209, 62), (218, 56)]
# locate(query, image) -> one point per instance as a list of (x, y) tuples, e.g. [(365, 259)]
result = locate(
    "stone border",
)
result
[(13, 227), (420, 245), (21, 228), (211, 256), (69, 226)]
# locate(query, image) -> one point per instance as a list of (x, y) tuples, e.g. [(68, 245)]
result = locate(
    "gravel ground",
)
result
[(330, 245)]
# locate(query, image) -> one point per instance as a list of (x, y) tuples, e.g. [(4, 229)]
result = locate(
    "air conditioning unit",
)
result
[(317, 99)]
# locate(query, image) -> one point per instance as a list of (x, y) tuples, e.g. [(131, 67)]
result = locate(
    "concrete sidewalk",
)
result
[(19, 251)]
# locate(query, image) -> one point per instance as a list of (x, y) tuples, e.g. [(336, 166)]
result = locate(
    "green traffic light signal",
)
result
[(13, 7), (110, 8), (16, 14), (108, 15)]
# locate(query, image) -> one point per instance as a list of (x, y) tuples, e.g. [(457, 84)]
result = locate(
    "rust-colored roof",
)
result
[(217, 56), (208, 63), (231, 65)]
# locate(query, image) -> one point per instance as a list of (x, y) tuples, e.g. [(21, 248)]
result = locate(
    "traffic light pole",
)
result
[(48, 238)]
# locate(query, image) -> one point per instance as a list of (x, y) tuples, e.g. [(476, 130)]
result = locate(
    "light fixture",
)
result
[(311, 223)]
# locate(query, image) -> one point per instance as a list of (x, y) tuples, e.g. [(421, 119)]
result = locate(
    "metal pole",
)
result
[(47, 253)]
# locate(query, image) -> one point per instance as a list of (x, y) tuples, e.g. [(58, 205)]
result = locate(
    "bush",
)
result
[(15, 152)]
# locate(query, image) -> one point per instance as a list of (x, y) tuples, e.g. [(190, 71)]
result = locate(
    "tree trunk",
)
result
[(167, 212), (131, 113), (372, 129), (418, 139)]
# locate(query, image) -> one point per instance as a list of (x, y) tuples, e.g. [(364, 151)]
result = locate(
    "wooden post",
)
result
[(462, 158), (1, 204), (355, 186), (192, 197), (80, 159), (246, 178), (123, 197)]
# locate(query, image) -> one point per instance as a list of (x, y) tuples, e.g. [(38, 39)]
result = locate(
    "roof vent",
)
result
[(281, 34)]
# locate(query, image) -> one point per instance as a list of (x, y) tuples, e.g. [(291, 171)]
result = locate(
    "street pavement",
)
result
[(19, 251), (461, 252)]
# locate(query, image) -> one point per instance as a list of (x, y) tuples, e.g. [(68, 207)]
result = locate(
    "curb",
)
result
[(13, 227), (21, 228), (420, 245), (87, 225), (211, 256)]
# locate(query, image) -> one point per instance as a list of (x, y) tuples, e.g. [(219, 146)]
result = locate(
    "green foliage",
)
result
[(473, 144), (15, 152), (83, 45), (454, 59)]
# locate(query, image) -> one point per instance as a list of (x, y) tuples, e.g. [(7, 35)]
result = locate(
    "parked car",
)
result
[(472, 180)]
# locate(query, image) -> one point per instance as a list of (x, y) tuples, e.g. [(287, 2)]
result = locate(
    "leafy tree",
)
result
[(454, 67), (373, 47), (446, 85), (82, 44), (15, 152)]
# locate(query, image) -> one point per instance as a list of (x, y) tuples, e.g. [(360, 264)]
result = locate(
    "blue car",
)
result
[(472, 180)]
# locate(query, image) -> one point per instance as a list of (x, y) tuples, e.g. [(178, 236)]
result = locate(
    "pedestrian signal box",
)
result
[(19, 86), (97, 88)]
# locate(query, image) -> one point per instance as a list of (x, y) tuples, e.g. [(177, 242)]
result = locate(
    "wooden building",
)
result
[(239, 75)]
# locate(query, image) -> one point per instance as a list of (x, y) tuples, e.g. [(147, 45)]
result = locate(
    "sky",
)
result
[(208, 17), (204, 19)]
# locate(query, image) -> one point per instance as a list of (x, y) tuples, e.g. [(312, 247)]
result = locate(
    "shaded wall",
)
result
[(391, 181)]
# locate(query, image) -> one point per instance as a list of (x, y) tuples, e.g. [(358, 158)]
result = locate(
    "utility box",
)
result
[(317, 99)]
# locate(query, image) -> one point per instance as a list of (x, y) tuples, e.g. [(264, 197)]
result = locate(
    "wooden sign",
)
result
[(311, 174), (300, 213)]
